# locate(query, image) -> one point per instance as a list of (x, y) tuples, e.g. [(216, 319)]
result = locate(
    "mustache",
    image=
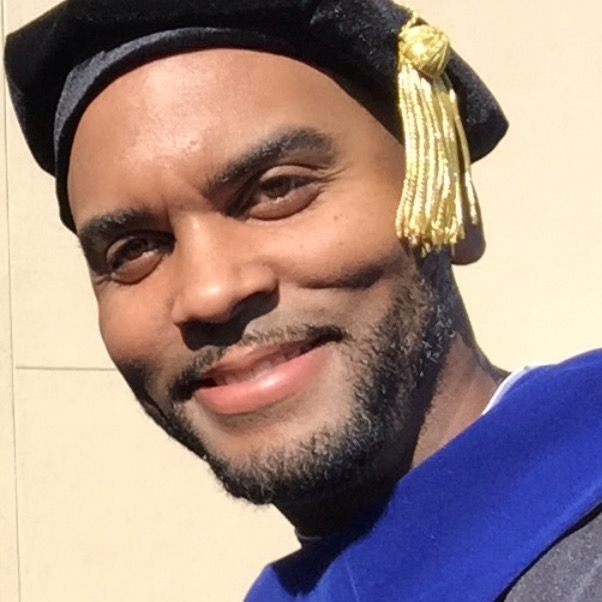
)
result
[(183, 386)]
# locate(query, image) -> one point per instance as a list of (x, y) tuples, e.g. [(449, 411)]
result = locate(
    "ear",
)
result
[(471, 249)]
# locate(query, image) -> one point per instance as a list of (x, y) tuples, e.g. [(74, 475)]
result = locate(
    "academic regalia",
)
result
[(470, 521), (380, 52), (475, 518)]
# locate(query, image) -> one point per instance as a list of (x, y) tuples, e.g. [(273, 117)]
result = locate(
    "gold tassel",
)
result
[(438, 183)]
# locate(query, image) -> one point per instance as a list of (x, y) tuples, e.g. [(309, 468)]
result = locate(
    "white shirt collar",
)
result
[(505, 386)]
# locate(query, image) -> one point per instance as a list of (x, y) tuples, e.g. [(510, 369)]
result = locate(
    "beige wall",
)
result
[(108, 507)]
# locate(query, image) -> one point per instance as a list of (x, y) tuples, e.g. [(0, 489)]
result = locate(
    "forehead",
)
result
[(213, 93), (203, 109)]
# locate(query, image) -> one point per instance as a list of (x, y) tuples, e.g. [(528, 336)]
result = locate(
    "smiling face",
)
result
[(237, 213)]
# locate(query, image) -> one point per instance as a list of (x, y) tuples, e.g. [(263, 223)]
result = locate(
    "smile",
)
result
[(246, 382), (230, 377)]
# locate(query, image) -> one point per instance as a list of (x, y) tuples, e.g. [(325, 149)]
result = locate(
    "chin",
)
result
[(268, 461)]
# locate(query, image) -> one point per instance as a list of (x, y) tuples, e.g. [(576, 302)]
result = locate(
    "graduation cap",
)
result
[(57, 64)]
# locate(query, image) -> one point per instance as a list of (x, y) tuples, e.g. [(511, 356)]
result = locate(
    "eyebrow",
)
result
[(105, 228), (289, 143)]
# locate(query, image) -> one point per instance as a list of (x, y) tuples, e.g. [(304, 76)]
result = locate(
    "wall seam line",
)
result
[(10, 311)]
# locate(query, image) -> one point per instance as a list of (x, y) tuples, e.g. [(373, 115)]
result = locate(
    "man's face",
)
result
[(237, 212)]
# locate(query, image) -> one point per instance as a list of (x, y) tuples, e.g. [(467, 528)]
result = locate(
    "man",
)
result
[(269, 227)]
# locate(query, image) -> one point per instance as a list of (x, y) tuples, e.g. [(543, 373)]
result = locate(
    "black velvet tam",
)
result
[(58, 63)]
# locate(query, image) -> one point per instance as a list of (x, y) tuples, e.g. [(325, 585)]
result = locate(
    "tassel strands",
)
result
[(438, 189)]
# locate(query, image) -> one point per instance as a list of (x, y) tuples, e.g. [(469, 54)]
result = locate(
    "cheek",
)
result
[(348, 241), (132, 323)]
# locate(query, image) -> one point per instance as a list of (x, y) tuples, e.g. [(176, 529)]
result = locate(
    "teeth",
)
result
[(262, 367), (230, 379), (265, 365), (293, 354)]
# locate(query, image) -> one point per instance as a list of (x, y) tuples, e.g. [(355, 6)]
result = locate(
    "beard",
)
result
[(394, 368)]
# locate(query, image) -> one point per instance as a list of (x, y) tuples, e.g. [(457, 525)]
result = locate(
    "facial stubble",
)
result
[(394, 367)]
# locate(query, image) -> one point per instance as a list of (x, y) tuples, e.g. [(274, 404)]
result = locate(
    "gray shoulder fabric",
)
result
[(569, 572)]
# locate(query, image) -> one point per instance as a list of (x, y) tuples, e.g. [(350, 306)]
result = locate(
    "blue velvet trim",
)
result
[(469, 521)]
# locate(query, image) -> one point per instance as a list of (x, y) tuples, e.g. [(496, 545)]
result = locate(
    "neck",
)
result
[(466, 384)]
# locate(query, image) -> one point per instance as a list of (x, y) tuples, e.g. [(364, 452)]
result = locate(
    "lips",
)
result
[(248, 380), (257, 369)]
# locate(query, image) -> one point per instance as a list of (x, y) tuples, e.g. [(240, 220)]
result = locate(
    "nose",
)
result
[(215, 274)]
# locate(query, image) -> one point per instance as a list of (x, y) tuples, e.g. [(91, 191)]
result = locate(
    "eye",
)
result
[(134, 257), (279, 195)]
